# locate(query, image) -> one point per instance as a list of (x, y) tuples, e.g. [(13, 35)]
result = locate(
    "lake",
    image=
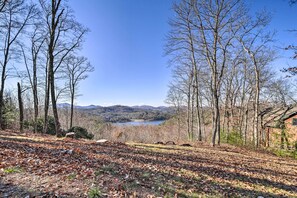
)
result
[(139, 123)]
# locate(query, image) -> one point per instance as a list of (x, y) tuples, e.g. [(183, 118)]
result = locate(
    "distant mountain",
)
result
[(147, 107), (120, 113)]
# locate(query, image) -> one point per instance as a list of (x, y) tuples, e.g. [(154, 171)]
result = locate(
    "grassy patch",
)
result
[(94, 193), (12, 170), (131, 185), (71, 176), (110, 169), (145, 175), (285, 153)]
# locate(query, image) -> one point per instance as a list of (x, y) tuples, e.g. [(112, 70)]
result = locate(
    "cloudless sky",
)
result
[(126, 42)]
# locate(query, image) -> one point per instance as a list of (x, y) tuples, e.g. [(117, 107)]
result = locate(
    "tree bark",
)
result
[(71, 108), (21, 108)]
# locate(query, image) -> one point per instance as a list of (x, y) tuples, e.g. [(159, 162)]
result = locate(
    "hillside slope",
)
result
[(43, 166)]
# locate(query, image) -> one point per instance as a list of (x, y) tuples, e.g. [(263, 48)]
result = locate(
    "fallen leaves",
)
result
[(72, 168)]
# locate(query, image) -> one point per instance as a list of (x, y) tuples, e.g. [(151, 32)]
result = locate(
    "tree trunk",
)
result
[(54, 105), (71, 109), (189, 114), (256, 113), (35, 95), (46, 101), (2, 125), (3, 78), (21, 108), (192, 115), (215, 118)]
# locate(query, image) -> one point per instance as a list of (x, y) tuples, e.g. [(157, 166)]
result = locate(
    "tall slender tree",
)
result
[(65, 35), (14, 19), (76, 70)]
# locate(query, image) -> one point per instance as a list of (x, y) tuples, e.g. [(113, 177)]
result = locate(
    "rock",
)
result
[(67, 152), (70, 135), (101, 141), (159, 143), (170, 143), (187, 145)]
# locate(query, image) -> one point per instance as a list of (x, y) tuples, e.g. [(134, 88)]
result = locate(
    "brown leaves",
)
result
[(71, 168)]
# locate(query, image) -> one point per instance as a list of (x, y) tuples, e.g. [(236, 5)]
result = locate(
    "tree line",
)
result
[(40, 47), (221, 53)]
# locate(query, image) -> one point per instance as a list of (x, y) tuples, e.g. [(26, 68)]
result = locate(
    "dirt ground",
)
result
[(45, 166)]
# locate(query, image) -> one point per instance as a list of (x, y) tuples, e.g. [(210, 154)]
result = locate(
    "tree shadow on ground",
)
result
[(127, 160)]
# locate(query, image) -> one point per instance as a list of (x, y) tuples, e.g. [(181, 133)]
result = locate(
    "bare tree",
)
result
[(16, 17), (77, 69), (182, 47), (3, 4), (175, 97), (292, 70), (65, 35), (255, 41), (32, 61), (215, 21)]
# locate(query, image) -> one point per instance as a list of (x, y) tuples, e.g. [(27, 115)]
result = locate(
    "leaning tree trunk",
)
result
[(21, 108), (54, 104)]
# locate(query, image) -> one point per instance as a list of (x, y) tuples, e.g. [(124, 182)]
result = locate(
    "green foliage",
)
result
[(40, 122), (9, 113), (285, 153), (233, 138), (71, 176), (81, 132), (12, 170), (94, 193)]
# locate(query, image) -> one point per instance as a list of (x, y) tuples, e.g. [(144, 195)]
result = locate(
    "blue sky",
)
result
[(126, 44)]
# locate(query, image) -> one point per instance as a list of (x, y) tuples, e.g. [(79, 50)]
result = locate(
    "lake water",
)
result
[(139, 123)]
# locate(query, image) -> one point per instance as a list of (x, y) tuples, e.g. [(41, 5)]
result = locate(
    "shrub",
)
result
[(40, 122), (233, 138), (94, 193), (9, 113), (81, 132)]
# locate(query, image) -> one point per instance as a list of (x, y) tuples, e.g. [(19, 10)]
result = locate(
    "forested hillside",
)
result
[(119, 113)]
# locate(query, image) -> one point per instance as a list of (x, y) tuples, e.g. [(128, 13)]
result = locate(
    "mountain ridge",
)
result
[(122, 113)]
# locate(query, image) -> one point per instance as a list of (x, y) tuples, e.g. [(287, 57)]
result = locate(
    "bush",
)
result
[(40, 122), (81, 132), (9, 113), (233, 138)]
